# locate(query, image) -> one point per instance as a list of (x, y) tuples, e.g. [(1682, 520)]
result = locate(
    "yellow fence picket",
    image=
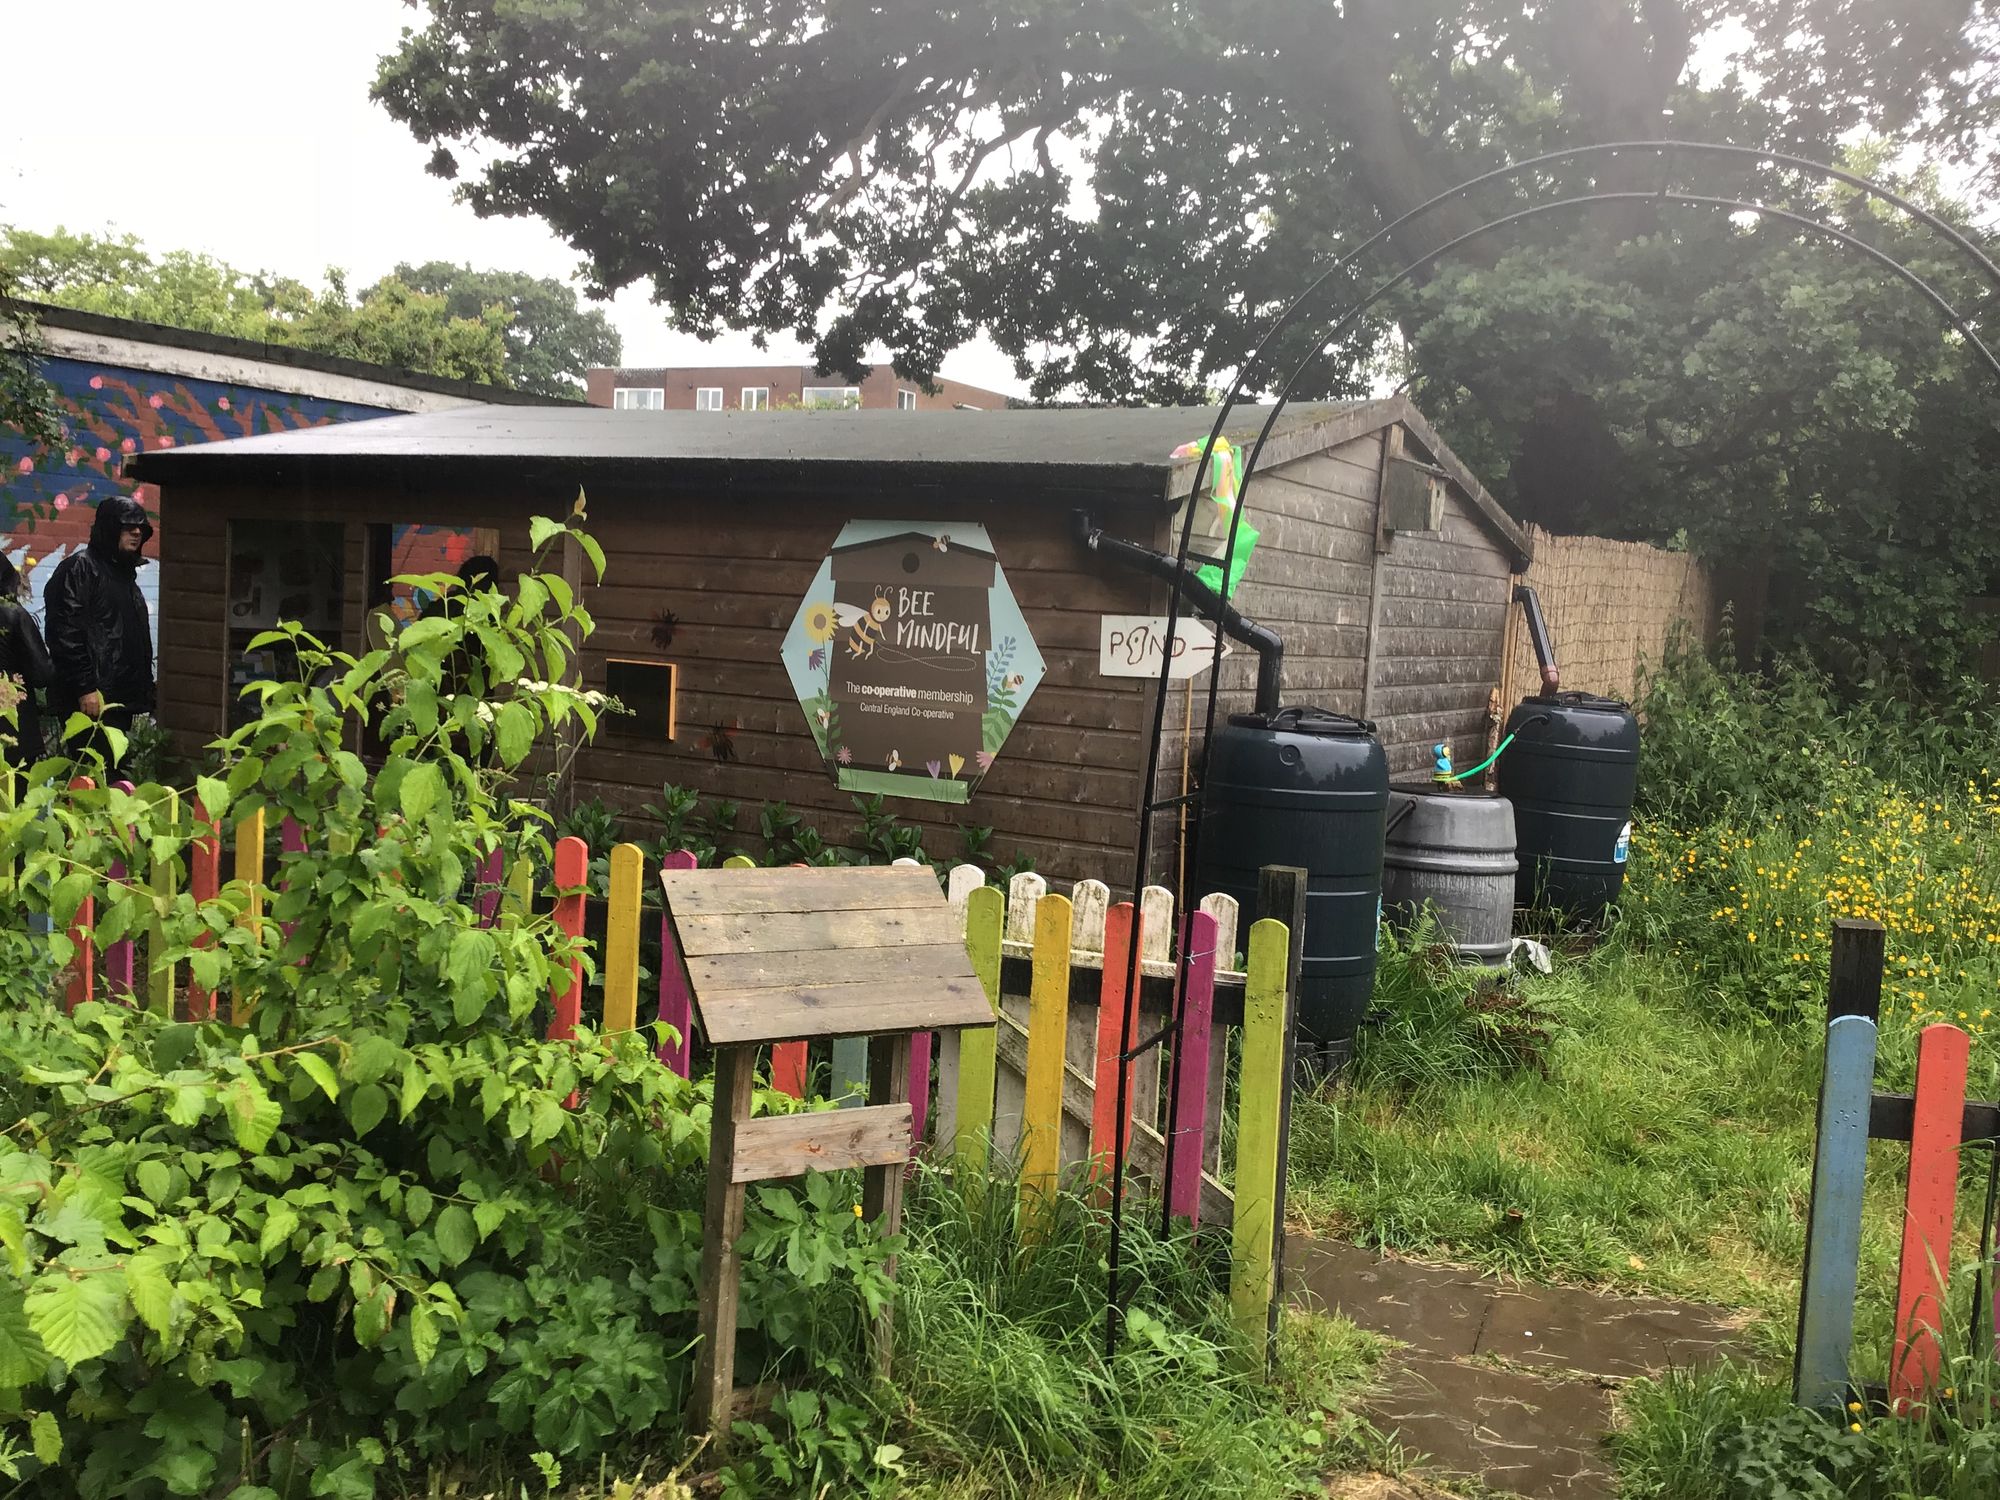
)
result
[(985, 916), (621, 938), (1048, 1030), (1262, 1087)]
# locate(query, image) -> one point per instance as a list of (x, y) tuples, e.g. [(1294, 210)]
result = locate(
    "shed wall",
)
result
[(1064, 789)]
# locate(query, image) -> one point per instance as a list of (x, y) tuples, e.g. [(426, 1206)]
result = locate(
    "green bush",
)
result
[(367, 1221)]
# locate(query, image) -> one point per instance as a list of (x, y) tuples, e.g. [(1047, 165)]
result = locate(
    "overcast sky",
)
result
[(247, 132)]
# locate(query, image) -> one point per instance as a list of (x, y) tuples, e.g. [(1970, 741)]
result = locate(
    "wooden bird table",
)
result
[(805, 955)]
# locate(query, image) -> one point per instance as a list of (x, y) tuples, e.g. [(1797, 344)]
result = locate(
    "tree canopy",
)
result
[(552, 340), (496, 327), (1123, 196)]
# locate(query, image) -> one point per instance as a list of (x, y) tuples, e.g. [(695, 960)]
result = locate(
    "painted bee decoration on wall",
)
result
[(941, 542), (866, 628), (895, 760), (720, 741), (665, 623)]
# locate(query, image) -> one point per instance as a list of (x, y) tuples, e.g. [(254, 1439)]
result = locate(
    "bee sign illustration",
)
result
[(911, 658)]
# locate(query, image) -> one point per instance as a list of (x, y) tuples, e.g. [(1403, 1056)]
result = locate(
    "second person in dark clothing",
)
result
[(100, 636), (24, 658)]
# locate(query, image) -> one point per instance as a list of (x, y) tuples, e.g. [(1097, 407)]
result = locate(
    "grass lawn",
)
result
[(1659, 1151)]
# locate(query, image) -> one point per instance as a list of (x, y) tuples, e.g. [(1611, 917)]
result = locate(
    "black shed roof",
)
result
[(1105, 454)]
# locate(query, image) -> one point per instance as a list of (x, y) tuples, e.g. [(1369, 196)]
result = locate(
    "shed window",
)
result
[(278, 571), (638, 398), (649, 692), (708, 398), (756, 397), (831, 395), (906, 400)]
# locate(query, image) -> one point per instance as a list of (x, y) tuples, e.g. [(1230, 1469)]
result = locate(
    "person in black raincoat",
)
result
[(100, 636), (25, 658)]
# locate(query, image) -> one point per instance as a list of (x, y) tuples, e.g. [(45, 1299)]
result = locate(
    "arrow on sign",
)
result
[(1130, 646)]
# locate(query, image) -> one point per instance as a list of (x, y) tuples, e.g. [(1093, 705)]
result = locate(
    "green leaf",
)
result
[(488, 1216), (77, 1315), (279, 1225), (254, 1116), (214, 797), (542, 530), (366, 1106), (593, 551), (155, 1181), (46, 1434), (187, 1104), (416, 1083), (455, 1235), (423, 1334), (421, 789), (513, 732), (548, 1118), (23, 1360), (152, 1293), (417, 1204), (372, 1314), (320, 1071)]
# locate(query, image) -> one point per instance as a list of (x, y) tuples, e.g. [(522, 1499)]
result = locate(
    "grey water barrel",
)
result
[(1455, 852), (1571, 774), (1305, 787)]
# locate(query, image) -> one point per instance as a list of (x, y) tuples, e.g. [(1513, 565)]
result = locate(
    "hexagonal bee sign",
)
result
[(911, 659)]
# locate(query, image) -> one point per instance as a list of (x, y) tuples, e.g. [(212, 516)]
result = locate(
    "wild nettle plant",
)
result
[(366, 1218)]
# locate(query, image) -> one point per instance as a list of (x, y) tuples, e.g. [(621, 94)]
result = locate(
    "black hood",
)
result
[(117, 511)]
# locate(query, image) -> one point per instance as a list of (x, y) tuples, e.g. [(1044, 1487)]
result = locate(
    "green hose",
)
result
[(1456, 777)]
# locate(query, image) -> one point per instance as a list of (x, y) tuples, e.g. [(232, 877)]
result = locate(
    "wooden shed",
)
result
[(744, 547)]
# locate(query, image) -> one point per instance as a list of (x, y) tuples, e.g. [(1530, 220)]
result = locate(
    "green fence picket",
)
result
[(1255, 1228)]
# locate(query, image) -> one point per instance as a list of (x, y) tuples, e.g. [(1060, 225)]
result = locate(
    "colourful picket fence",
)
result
[(1038, 1089), (1937, 1120)]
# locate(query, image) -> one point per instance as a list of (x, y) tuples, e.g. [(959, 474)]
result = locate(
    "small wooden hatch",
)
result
[(803, 955)]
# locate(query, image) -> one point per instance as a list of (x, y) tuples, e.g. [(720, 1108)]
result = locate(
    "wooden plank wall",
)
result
[(1064, 790), (1440, 631)]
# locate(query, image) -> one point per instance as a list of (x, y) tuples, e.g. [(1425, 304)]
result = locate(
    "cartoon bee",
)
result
[(895, 760), (865, 627), (825, 718), (941, 542), (1013, 683)]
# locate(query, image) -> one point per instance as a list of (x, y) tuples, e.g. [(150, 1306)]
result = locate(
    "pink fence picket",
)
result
[(204, 881), (1191, 1067), (566, 993), (82, 934), (676, 1006), (489, 885)]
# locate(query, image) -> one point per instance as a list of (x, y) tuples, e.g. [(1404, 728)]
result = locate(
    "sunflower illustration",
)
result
[(820, 623)]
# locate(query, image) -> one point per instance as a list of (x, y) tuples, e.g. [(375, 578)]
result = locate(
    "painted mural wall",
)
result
[(47, 498)]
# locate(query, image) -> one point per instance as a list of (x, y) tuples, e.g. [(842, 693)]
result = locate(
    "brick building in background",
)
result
[(756, 387)]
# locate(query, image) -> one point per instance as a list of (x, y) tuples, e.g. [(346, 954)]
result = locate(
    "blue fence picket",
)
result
[(1833, 1232)]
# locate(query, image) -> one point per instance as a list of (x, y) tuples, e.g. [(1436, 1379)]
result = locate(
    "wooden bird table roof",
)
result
[(793, 955)]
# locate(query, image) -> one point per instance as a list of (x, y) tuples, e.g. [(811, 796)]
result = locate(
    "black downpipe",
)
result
[(1265, 642), (1538, 636)]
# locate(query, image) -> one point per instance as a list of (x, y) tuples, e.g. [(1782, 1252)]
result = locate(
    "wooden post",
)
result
[(984, 915), (721, 1266), (1281, 896), (566, 991), (1855, 987), (882, 1186), (1256, 1230), (1924, 1270), (1833, 1220), (621, 938), (675, 1009)]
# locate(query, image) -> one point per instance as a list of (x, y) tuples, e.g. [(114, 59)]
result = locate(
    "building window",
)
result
[(830, 395), (906, 401), (756, 397), (638, 398), (708, 398)]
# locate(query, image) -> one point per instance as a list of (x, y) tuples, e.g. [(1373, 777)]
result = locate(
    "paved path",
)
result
[(1503, 1381)]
